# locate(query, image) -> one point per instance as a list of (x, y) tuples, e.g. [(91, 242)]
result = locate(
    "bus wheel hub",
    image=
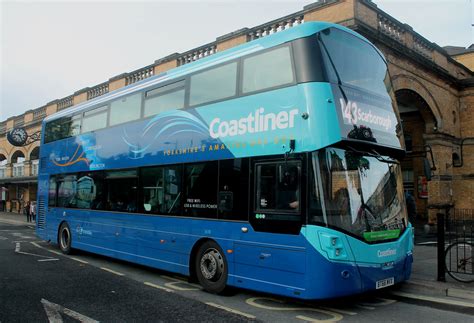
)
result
[(212, 265)]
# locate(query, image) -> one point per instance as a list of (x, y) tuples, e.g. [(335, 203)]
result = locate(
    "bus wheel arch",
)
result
[(64, 238), (208, 266)]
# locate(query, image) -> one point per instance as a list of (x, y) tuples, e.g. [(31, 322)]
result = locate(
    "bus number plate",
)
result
[(384, 283)]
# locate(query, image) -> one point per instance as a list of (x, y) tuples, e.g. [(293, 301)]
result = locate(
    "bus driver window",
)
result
[(288, 198)]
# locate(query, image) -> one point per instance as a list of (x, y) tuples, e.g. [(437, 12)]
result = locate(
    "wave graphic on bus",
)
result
[(164, 127), (68, 161)]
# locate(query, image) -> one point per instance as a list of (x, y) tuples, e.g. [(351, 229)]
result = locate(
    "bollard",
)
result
[(441, 268)]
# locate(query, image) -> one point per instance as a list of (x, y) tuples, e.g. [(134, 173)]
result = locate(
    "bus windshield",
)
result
[(360, 194), (354, 62)]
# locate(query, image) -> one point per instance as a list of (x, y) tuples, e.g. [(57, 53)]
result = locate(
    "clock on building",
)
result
[(17, 137)]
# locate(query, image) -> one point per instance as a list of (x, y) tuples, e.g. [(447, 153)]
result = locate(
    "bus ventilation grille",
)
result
[(41, 213)]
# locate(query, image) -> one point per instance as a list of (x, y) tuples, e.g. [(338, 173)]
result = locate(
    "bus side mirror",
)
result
[(427, 169)]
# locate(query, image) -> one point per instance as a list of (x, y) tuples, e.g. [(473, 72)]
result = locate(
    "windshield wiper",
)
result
[(339, 82), (376, 155)]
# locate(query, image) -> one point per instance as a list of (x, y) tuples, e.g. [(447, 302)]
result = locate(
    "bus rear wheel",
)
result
[(211, 267), (64, 238)]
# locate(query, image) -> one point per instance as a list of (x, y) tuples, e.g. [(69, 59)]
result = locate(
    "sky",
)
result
[(51, 49)]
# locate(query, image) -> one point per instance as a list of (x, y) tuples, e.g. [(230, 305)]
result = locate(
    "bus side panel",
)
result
[(164, 242), (93, 231), (149, 240)]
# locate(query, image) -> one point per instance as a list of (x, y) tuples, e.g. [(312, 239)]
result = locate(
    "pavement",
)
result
[(422, 285)]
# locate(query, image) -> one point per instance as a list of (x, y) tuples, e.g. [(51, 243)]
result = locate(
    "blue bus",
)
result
[(271, 166)]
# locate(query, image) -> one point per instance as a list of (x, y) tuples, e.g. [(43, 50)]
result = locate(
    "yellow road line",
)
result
[(112, 271), (338, 310), (231, 310)]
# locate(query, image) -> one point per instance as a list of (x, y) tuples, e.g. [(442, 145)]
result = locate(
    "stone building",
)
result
[(463, 55), (434, 88)]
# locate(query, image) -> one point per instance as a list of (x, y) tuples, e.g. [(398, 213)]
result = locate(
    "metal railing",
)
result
[(460, 225), (455, 243)]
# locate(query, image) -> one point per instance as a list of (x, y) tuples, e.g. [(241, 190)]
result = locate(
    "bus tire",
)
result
[(211, 267), (64, 238)]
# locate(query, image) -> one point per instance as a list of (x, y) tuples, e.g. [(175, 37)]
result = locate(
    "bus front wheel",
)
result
[(211, 267), (64, 238)]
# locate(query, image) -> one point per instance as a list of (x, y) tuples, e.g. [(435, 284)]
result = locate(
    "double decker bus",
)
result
[(271, 166)]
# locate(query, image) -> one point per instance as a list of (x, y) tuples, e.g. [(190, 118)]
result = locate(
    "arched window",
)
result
[(34, 153), (34, 158), (18, 168), (18, 157), (3, 168), (3, 160)]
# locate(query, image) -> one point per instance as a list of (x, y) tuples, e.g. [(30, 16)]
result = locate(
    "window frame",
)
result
[(247, 197), (109, 110), (187, 89), (60, 121), (268, 89), (183, 86), (53, 203), (238, 91), (179, 210), (186, 188), (93, 113), (297, 161)]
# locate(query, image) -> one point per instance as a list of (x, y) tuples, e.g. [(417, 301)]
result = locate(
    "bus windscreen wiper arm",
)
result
[(339, 82), (374, 154)]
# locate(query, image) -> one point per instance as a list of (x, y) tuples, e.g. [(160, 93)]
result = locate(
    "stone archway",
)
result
[(3, 160), (34, 154), (417, 95), (18, 157), (418, 119)]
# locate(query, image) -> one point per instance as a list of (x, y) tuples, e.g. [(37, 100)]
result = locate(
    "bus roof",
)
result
[(304, 30)]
